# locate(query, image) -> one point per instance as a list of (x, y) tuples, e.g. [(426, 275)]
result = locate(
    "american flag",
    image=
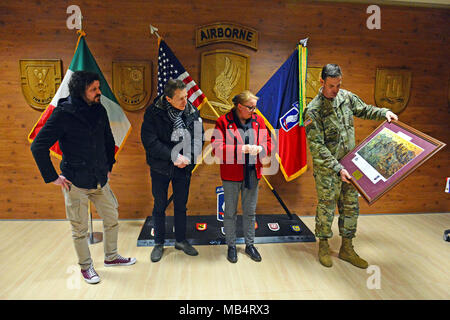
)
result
[(169, 67)]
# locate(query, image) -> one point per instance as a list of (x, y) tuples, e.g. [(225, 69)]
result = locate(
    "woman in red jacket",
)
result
[(240, 140)]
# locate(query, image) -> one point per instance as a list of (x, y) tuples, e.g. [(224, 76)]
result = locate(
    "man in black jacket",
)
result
[(172, 135), (80, 124)]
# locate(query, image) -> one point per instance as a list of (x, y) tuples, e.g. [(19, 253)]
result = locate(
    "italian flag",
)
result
[(83, 60)]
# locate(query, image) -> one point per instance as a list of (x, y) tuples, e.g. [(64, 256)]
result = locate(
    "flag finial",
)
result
[(81, 33), (154, 30), (303, 42)]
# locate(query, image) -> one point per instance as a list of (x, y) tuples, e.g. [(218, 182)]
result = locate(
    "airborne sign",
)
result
[(226, 32)]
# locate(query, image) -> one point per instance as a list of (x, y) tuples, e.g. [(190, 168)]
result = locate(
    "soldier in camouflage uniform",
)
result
[(331, 135)]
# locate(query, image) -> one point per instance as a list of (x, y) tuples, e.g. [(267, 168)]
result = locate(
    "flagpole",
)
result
[(289, 214), (94, 237)]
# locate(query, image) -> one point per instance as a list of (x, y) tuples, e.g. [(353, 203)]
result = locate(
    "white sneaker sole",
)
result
[(93, 280)]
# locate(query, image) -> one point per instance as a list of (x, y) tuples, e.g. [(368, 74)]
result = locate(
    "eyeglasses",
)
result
[(250, 108)]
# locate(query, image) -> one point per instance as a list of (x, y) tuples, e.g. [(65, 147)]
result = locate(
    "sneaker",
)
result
[(120, 261), (90, 276), (186, 247)]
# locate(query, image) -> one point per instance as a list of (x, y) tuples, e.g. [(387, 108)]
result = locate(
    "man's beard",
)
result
[(95, 101)]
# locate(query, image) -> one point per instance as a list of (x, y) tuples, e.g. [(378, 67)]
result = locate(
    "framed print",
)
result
[(386, 157)]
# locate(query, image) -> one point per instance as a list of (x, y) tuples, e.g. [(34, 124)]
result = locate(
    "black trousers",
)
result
[(180, 187)]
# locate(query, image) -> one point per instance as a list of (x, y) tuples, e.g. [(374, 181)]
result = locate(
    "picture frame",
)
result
[(386, 157)]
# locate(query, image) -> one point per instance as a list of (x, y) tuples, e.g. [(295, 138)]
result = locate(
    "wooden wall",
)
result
[(415, 38)]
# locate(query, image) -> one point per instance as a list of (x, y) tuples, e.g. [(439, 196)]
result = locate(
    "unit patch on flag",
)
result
[(273, 226), (290, 119), (220, 203), (295, 228)]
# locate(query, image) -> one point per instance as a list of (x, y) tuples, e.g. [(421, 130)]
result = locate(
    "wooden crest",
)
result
[(225, 73), (40, 79), (392, 88), (132, 84)]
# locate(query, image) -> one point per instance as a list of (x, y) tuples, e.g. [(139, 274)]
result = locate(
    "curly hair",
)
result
[(79, 82)]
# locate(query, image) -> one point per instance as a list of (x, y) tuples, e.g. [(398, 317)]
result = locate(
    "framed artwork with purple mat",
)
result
[(386, 157)]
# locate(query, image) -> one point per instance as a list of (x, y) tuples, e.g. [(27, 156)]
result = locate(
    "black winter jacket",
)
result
[(87, 143), (156, 136)]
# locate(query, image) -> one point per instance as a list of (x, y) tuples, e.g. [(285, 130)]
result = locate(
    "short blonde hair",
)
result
[(243, 97)]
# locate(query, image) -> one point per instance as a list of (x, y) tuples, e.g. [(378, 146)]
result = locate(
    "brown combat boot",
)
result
[(324, 253), (347, 253)]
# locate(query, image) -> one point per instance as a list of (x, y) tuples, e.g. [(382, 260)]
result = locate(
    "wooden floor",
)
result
[(39, 262)]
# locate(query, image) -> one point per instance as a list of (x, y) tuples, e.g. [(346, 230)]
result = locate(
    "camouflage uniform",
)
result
[(331, 135)]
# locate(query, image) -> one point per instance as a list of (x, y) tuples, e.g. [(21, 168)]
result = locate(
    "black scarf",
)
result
[(248, 168)]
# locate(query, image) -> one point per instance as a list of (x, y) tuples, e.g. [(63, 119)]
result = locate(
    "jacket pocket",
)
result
[(72, 201), (324, 186), (349, 120), (331, 134)]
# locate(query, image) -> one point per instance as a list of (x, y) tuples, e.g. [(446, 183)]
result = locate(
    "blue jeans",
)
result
[(180, 187)]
